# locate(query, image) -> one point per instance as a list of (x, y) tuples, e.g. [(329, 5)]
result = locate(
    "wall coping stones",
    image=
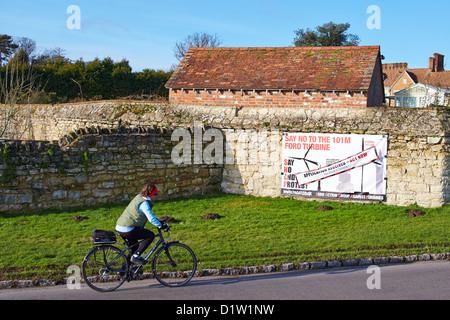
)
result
[(101, 117)]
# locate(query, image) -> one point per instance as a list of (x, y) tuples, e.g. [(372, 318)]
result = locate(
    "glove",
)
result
[(164, 227)]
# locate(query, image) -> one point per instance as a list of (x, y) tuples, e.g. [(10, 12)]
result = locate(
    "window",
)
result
[(410, 102), (422, 102)]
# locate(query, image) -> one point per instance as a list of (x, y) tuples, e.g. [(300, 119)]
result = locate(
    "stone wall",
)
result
[(418, 150), (417, 170), (107, 166)]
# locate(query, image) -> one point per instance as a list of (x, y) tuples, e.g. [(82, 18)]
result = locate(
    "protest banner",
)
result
[(334, 166)]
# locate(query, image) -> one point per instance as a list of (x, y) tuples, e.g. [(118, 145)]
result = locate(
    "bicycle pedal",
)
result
[(136, 273)]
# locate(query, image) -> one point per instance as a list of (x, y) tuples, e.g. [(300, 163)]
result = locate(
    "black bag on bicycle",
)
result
[(103, 237)]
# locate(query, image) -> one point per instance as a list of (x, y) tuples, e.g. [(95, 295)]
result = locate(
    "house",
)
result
[(329, 77), (391, 72), (422, 95), (432, 77)]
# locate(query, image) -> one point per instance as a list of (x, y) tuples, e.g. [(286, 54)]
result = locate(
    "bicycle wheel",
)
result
[(105, 268), (174, 264)]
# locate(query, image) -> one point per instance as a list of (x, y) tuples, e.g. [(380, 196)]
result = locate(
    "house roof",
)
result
[(320, 68), (409, 75), (424, 75), (391, 76), (392, 72)]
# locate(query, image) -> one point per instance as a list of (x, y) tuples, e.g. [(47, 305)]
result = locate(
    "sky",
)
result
[(145, 31)]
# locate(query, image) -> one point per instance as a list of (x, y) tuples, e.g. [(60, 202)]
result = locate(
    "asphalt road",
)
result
[(417, 281)]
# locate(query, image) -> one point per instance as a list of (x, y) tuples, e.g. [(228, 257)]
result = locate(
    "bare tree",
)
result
[(201, 40), (27, 45), (50, 55), (17, 85)]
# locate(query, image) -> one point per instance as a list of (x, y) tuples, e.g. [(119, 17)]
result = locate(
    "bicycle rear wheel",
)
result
[(174, 264), (105, 268)]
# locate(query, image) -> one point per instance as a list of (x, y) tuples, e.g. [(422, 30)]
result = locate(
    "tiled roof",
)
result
[(321, 68), (390, 76), (438, 79)]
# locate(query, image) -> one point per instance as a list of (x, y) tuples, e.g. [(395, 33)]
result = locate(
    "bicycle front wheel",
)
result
[(105, 268), (174, 264)]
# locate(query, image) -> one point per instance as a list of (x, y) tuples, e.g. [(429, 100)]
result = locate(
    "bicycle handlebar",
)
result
[(165, 230)]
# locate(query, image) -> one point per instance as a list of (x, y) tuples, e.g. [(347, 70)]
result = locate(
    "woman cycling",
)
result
[(130, 225)]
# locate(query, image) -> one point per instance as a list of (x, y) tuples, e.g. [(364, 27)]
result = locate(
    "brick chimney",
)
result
[(439, 62), (395, 66), (431, 64), (436, 64)]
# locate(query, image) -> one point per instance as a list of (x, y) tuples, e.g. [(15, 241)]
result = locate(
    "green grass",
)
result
[(253, 231)]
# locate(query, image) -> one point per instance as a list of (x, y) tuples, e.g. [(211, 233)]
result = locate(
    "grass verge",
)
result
[(252, 231)]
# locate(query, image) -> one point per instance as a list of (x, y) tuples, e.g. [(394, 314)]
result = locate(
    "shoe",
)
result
[(138, 259)]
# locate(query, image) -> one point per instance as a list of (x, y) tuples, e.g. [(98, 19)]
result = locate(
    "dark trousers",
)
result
[(138, 234)]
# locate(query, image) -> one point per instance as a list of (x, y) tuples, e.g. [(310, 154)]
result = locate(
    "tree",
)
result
[(150, 83), (93, 80), (122, 79), (27, 45), (7, 47), (329, 34), (49, 77), (18, 83), (50, 56), (20, 57), (200, 40)]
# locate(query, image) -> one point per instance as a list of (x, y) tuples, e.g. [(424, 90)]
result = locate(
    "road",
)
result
[(421, 280)]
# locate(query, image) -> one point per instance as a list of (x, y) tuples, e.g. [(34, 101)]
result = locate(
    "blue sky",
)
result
[(144, 32)]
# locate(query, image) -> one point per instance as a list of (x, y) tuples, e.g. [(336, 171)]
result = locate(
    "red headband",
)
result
[(154, 192)]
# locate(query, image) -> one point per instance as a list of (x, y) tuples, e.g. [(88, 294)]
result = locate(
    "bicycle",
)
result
[(106, 267)]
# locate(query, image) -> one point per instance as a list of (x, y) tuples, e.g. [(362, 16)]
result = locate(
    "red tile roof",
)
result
[(424, 75), (391, 76), (320, 68)]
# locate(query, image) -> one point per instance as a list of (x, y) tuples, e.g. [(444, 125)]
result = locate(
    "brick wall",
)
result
[(269, 98)]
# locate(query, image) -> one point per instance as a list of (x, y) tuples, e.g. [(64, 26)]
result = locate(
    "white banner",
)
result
[(334, 166)]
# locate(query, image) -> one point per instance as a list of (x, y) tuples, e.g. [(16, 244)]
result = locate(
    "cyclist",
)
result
[(130, 225)]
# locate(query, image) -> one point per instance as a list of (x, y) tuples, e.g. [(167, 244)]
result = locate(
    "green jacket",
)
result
[(131, 217)]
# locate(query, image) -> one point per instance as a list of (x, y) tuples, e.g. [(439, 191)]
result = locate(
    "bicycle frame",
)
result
[(122, 270), (161, 241)]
